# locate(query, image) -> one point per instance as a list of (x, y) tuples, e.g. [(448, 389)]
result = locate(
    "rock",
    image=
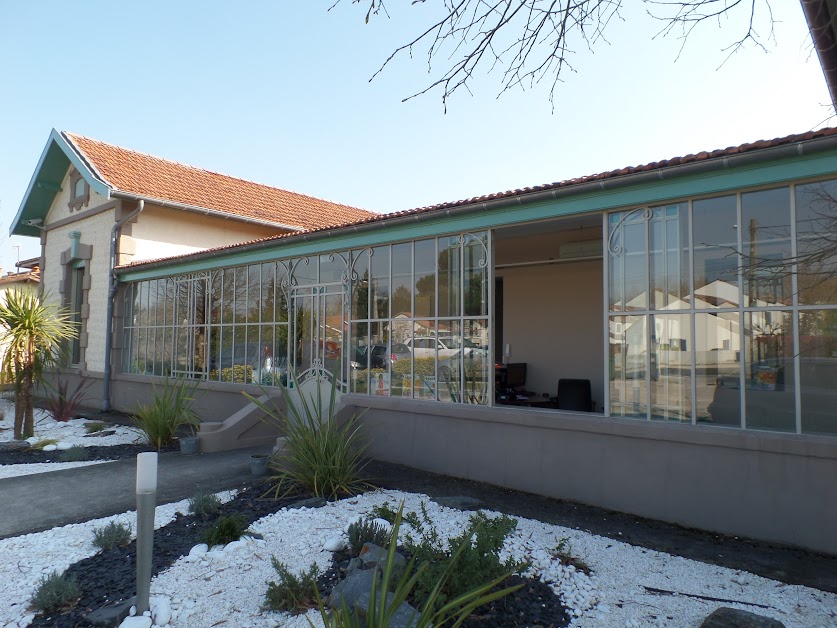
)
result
[(312, 502), (726, 617), (15, 445), (354, 564), (136, 622), (160, 610), (100, 434), (233, 545), (460, 502), (351, 588), (372, 555), (403, 617), (62, 446), (199, 550), (111, 615), (49, 448), (335, 544), (383, 523)]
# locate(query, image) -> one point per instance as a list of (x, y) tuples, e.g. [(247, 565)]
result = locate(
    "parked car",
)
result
[(443, 347), (380, 356)]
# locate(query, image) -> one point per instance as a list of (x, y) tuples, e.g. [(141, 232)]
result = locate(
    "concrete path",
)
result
[(32, 503)]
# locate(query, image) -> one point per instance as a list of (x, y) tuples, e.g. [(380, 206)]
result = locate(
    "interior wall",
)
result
[(552, 313)]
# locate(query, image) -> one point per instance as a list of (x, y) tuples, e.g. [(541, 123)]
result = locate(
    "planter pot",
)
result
[(258, 464), (188, 445)]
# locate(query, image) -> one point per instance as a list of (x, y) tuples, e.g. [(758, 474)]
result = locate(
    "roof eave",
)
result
[(820, 15), (45, 184)]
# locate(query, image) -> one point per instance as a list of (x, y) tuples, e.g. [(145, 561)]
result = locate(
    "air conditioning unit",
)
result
[(583, 248)]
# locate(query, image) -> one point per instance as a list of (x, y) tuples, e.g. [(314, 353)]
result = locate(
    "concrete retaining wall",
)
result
[(773, 487)]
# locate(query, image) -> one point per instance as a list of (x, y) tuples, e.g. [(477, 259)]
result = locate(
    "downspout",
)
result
[(113, 285)]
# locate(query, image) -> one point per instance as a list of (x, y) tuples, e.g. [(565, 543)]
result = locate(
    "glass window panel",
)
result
[(402, 282), (360, 372), (240, 294), (332, 268), (627, 261), (331, 332), (380, 293), (142, 303), (168, 348), (216, 295), (715, 241), (818, 371), (360, 286), (228, 296), (475, 276), (769, 371), (305, 270), (668, 241), (816, 236), (718, 368), (450, 276), (281, 293), (268, 293), (425, 273), (671, 368), (254, 293), (628, 356), (766, 248), (280, 352)]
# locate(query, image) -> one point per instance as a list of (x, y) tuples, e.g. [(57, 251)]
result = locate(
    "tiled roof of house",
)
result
[(152, 177), (522, 192)]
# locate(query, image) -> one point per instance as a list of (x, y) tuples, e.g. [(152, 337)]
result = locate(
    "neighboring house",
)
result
[(27, 280), (96, 206)]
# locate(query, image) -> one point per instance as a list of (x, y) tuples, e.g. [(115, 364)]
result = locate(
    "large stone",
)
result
[(111, 615), (372, 555), (405, 616), (311, 502), (460, 502), (348, 591), (726, 617), (15, 445)]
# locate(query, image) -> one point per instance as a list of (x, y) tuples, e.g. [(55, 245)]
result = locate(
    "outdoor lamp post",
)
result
[(146, 504)]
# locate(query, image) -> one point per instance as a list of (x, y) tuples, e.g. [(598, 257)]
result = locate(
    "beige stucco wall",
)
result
[(59, 208), (95, 231), (164, 232)]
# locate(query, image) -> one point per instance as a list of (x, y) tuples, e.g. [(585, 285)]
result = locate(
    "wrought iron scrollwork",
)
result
[(616, 249)]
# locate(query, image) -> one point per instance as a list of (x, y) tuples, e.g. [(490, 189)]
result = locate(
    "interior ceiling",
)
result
[(562, 225)]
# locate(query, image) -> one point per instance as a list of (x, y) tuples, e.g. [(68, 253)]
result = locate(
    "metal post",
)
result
[(146, 505)]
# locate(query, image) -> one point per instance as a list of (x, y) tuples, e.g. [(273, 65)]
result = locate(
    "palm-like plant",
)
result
[(34, 331)]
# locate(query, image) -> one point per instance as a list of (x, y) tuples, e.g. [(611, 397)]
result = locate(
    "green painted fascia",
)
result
[(501, 214), (46, 183)]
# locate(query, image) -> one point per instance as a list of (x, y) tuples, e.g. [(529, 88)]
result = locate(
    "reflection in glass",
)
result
[(475, 276), (818, 371), (671, 368), (450, 268), (766, 247), (380, 295), (816, 236), (718, 368), (668, 241), (628, 355), (769, 395), (402, 279), (425, 274), (360, 287), (627, 263), (715, 241)]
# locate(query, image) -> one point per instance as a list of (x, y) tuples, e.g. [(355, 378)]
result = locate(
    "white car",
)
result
[(444, 347)]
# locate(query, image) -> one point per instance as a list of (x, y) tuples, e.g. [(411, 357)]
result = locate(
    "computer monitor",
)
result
[(516, 374)]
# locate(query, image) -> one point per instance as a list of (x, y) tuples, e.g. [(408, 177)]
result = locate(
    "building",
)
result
[(27, 280)]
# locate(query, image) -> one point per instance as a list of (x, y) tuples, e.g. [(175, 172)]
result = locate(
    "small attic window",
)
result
[(79, 191)]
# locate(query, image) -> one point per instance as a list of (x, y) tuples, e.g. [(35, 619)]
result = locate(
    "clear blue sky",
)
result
[(278, 92)]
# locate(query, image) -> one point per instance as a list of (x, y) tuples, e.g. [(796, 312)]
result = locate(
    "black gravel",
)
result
[(110, 576), (99, 452)]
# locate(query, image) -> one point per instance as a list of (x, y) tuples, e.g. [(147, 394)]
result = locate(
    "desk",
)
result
[(528, 402)]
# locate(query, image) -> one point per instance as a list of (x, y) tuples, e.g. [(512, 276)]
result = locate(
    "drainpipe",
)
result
[(113, 285)]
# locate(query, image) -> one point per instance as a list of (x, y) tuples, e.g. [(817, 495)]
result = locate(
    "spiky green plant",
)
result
[(34, 331), (170, 410), (322, 457)]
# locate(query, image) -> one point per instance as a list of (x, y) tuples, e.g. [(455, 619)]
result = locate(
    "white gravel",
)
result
[(228, 587), (69, 434)]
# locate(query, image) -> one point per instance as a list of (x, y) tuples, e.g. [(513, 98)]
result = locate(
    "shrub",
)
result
[(237, 374), (366, 531), (169, 411), (227, 528), (563, 552), (322, 458), (293, 594), (421, 366), (62, 404), (94, 426), (55, 592), (432, 611), (74, 454), (478, 557), (112, 535), (205, 505), (43, 443)]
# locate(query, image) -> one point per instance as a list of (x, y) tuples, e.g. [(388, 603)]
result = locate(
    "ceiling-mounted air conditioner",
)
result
[(582, 248)]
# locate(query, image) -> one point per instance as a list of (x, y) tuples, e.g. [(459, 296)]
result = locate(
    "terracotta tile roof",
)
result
[(152, 177), (611, 174)]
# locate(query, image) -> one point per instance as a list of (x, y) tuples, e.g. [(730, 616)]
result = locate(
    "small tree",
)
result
[(35, 331)]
